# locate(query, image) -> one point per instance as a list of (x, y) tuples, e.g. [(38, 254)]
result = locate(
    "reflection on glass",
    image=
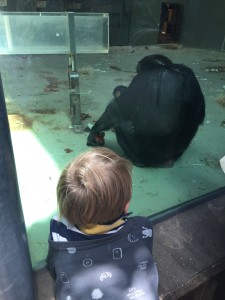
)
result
[(95, 36), (48, 33)]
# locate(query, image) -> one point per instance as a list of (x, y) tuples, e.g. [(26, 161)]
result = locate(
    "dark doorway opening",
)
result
[(170, 23)]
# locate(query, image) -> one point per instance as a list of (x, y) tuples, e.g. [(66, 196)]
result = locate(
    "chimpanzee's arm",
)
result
[(104, 123), (108, 120)]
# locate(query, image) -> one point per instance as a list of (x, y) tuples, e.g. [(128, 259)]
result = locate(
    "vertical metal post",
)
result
[(16, 276), (223, 44), (75, 106)]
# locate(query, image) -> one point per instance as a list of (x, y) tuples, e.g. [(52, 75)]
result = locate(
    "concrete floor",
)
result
[(37, 98)]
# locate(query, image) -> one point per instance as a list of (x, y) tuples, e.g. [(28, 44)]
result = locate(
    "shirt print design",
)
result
[(147, 232)]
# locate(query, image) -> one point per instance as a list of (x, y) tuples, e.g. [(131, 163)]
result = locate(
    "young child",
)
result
[(95, 250)]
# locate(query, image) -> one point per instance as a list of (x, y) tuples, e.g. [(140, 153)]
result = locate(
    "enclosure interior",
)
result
[(37, 99)]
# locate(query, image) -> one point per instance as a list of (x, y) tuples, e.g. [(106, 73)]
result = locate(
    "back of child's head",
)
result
[(94, 188)]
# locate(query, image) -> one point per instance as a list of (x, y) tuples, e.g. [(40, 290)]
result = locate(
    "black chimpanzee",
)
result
[(156, 116)]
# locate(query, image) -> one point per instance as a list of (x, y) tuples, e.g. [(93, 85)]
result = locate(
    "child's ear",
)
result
[(127, 207)]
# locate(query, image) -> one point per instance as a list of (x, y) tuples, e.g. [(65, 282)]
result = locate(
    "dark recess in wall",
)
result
[(170, 23)]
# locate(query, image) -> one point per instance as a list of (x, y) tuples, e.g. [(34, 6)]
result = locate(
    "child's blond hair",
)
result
[(95, 187)]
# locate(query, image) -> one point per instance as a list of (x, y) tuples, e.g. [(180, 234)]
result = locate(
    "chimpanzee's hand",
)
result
[(95, 140)]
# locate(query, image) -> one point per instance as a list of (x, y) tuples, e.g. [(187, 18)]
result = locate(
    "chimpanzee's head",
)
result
[(151, 61), (119, 90)]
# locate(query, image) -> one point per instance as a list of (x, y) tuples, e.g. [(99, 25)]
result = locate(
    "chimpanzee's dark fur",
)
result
[(157, 115)]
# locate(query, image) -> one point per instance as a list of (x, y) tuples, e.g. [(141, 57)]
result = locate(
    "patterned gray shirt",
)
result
[(119, 266)]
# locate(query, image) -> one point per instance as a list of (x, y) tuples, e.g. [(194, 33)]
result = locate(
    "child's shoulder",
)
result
[(141, 220), (142, 225)]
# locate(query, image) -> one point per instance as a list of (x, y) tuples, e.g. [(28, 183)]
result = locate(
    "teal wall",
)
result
[(203, 22)]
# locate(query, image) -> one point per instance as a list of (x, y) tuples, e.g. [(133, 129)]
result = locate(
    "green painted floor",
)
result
[(37, 98)]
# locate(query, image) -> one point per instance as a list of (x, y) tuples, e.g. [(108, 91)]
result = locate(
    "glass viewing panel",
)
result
[(92, 33), (48, 33)]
